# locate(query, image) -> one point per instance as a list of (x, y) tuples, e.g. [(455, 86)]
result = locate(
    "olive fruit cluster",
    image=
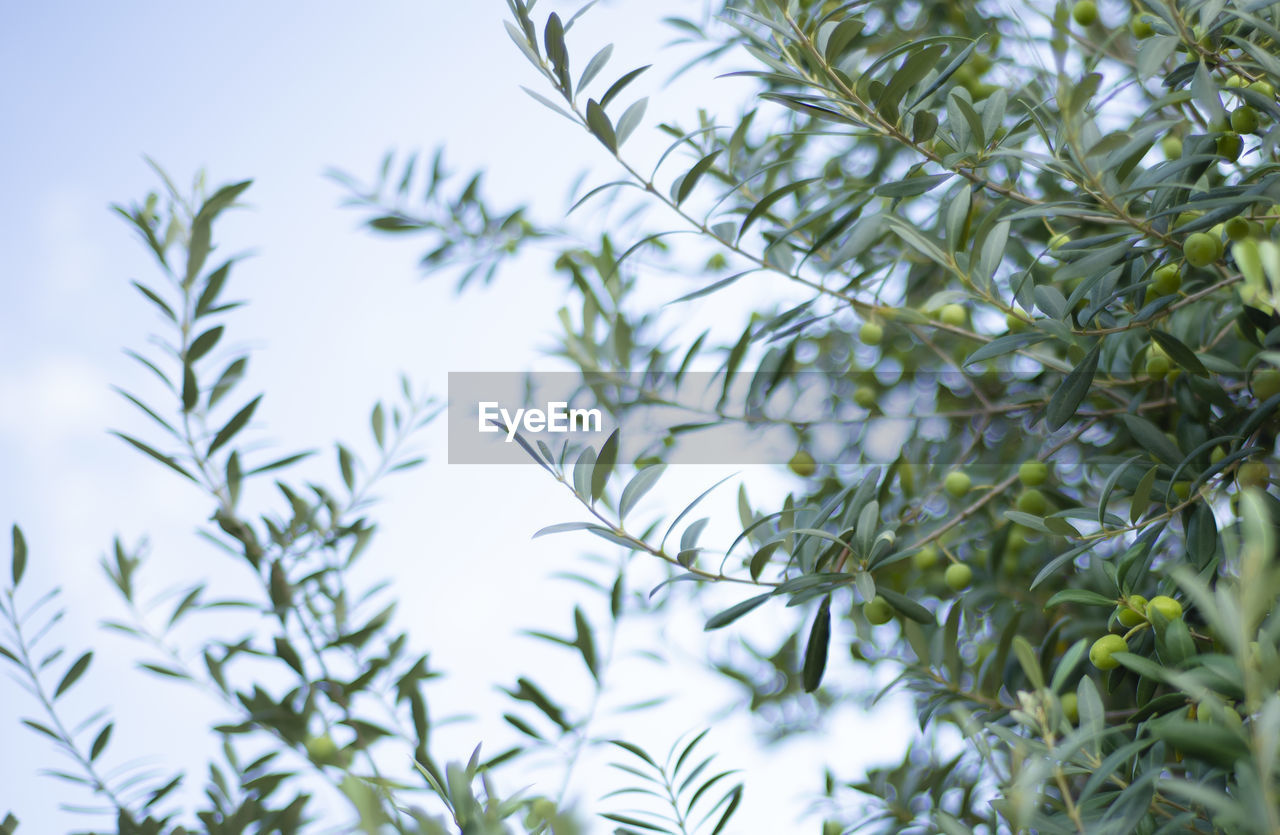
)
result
[(1131, 612)]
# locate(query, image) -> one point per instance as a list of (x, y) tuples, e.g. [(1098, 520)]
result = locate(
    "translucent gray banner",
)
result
[(757, 418)]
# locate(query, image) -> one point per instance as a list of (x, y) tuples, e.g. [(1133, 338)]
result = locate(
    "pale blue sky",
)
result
[(280, 92)]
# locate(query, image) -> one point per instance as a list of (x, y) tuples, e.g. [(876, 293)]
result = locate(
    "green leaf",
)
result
[(281, 463), (1142, 666), (630, 119), (689, 508), (630, 821), (157, 301), (1082, 596), (604, 466), (594, 66), (768, 200), (1062, 406), (527, 691), (346, 465), (598, 124), (203, 344), (1002, 345), (691, 177), (1151, 438), (735, 798), (201, 240), (73, 673), (19, 555), (913, 186), (639, 485), (942, 78), (951, 642), (761, 558), (1203, 740), (1142, 495), (212, 287), (815, 651), (585, 642), (159, 456), (735, 611), (1028, 661), (582, 470), (188, 601), (1179, 353), (621, 84), (553, 41), (1067, 664), (378, 422), (1104, 499), (190, 388), (237, 422), (924, 125), (906, 606), (232, 375), (44, 729), (100, 741), (563, 527)]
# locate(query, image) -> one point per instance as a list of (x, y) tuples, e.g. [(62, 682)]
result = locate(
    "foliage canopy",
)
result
[(1038, 241)]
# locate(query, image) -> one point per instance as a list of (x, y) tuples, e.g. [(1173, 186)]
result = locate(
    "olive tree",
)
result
[(1038, 241), (1034, 247)]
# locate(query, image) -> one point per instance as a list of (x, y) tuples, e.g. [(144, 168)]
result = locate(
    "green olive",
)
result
[(1100, 654)]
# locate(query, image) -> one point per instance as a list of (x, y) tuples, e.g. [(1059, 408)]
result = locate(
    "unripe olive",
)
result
[(1253, 474), (1032, 501), (878, 611), (958, 576), (1157, 366), (864, 396), (953, 315), (323, 750), (1263, 87), (1200, 249), (802, 464), (979, 90), (1237, 228), (1244, 119), (1171, 146), (1218, 713), (957, 483), (1266, 383), (1229, 146), (1085, 13), (871, 333), (1100, 654), (1141, 28), (1166, 279), (1033, 473), (926, 558), (1070, 707), (1133, 614), (1015, 324), (1165, 605)]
